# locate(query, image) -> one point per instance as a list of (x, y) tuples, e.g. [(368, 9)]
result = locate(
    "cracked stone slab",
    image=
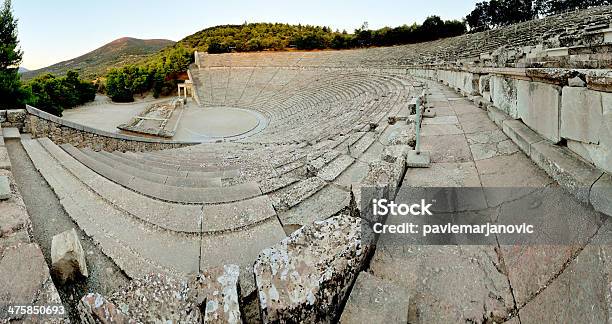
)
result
[(443, 175), (305, 277), (531, 267), (32, 285), (446, 284), (578, 294), (374, 300), (447, 148), (441, 120)]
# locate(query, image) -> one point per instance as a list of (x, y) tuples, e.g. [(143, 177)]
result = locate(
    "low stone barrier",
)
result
[(41, 124)]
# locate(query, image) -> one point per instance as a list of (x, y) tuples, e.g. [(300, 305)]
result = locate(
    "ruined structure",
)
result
[(525, 105)]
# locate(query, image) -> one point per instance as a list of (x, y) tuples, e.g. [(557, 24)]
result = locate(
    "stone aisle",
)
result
[(480, 283)]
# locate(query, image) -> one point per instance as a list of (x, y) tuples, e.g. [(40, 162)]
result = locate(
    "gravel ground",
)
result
[(48, 219)]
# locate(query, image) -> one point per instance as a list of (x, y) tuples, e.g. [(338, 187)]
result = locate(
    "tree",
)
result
[(11, 95), (54, 94), (479, 19), (553, 7)]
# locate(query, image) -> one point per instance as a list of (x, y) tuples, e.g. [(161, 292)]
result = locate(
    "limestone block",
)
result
[(217, 289), (566, 168), (543, 109), (581, 114), (2, 116), (67, 256), (5, 162), (306, 277), (5, 188), (503, 95), (483, 84), (157, 298)]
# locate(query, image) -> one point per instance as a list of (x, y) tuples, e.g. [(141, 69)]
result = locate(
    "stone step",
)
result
[(155, 212), (375, 300), (325, 203), (137, 249), (154, 177), (118, 157), (174, 166), (165, 192), (11, 133)]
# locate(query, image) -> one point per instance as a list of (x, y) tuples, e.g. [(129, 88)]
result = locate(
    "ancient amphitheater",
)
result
[(268, 213)]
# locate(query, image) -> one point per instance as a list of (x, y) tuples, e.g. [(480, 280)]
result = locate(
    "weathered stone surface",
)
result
[(392, 152), (521, 135), (601, 195), (543, 109), (67, 257), (25, 279), (504, 95), (11, 133), (576, 82), (443, 175), (374, 300), (306, 276), (566, 168), (5, 188), (218, 289), (94, 308), (496, 115), (446, 284), (446, 148), (5, 162), (157, 298), (578, 294), (581, 115)]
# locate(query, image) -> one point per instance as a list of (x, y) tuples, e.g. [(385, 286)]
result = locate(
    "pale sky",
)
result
[(57, 30)]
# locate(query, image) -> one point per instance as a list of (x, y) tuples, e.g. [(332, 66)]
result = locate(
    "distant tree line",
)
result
[(267, 36), (497, 13)]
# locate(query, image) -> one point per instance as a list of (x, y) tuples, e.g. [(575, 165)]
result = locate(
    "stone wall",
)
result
[(13, 118), (561, 105), (41, 124)]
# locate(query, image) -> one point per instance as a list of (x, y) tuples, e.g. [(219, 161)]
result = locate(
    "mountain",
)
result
[(23, 70), (122, 51)]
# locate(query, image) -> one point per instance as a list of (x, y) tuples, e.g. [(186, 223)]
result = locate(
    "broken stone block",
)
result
[(576, 82), (392, 152), (218, 290), (67, 257), (157, 298), (5, 188), (94, 309), (306, 277)]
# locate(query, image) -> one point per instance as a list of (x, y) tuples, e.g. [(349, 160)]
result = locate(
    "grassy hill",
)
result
[(97, 62)]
